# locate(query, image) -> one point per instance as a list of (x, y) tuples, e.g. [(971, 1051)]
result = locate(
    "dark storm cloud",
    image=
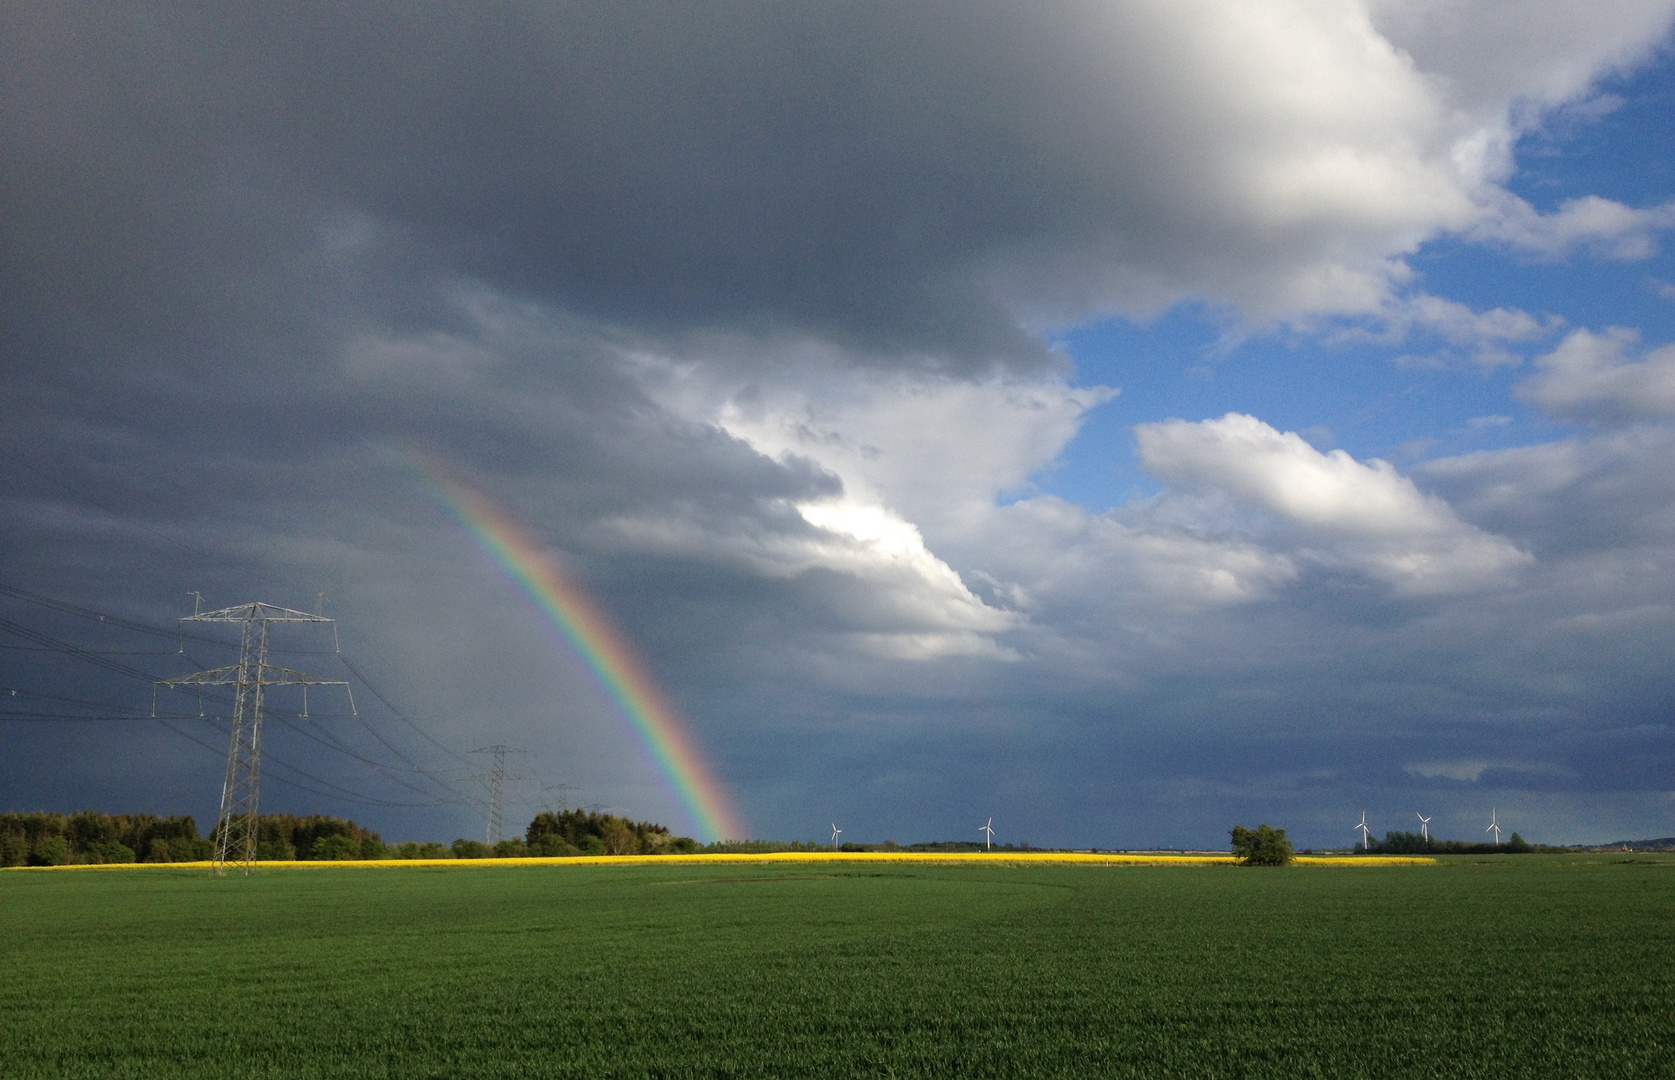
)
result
[(841, 169), (904, 180)]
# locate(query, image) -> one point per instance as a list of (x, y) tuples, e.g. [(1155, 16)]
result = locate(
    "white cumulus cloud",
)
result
[(1593, 377), (1335, 509)]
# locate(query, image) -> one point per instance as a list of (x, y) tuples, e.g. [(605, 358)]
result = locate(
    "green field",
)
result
[(1496, 968)]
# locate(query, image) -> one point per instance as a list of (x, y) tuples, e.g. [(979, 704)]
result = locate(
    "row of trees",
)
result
[(582, 832), (1408, 843), (1267, 846), (283, 837), (88, 837), (56, 839)]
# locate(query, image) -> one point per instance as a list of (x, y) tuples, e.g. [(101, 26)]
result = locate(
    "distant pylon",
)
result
[(497, 789), (235, 826)]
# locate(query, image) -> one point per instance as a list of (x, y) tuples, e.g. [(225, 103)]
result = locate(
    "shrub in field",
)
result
[(619, 838), (664, 844), (335, 849), (1262, 846), (553, 846), (472, 849), (49, 851), (593, 845), (108, 851), (14, 850), (415, 850)]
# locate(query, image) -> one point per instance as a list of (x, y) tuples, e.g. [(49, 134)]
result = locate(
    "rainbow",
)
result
[(621, 677)]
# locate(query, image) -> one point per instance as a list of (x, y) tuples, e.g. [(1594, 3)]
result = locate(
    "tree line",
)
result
[(1409, 843), (90, 838), (43, 839)]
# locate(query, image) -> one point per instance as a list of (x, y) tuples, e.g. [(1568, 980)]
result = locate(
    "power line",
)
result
[(403, 717), (347, 796), (99, 616), (327, 739), (111, 712), (56, 645)]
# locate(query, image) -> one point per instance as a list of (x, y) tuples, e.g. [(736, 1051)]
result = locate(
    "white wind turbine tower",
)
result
[(835, 831), (988, 834), (1494, 825), (1365, 832), (1424, 825)]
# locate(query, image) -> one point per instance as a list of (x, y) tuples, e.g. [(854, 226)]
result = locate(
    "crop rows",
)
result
[(1533, 968)]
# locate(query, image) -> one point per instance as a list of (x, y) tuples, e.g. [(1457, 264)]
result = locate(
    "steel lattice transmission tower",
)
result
[(497, 789), (236, 833)]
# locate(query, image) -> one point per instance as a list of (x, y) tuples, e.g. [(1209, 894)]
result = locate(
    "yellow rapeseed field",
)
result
[(1013, 858)]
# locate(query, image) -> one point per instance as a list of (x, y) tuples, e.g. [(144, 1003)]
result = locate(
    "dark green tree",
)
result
[(335, 848), (1262, 846)]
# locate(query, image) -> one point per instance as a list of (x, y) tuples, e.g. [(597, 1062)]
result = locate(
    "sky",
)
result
[(1121, 420)]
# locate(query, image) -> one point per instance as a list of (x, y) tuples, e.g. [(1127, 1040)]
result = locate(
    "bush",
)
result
[(109, 851), (619, 839), (1263, 846), (472, 849), (663, 844), (553, 846), (335, 849), (49, 851), (510, 849), (593, 845), (275, 851), (412, 849), (14, 850)]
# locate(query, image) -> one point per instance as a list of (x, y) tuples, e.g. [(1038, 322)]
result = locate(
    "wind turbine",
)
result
[(1494, 825), (835, 831), (1424, 825), (988, 834), (1365, 832)]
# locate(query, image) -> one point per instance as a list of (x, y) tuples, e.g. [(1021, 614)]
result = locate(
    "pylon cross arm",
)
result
[(267, 674), (258, 612)]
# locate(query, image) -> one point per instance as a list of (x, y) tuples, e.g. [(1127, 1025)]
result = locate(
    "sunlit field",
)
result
[(1524, 966)]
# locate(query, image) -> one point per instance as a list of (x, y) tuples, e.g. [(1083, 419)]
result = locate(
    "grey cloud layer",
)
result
[(907, 180)]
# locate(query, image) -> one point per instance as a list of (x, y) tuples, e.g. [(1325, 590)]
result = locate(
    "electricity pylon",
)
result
[(236, 833), (497, 789)]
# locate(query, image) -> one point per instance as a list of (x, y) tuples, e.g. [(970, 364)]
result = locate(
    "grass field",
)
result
[(1528, 966)]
